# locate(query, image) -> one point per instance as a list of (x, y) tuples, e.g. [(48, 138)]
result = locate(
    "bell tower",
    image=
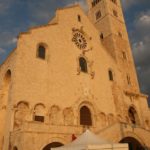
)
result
[(107, 17)]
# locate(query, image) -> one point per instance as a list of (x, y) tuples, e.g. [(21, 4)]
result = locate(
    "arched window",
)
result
[(101, 36), (110, 73), (98, 15), (39, 113), (79, 18), (85, 116), (83, 64), (128, 80), (7, 80), (133, 115), (41, 52)]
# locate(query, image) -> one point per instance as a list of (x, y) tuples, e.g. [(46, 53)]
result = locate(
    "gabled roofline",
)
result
[(42, 26), (9, 55)]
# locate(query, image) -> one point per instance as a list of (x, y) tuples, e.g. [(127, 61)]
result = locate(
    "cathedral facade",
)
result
[(74, 73)]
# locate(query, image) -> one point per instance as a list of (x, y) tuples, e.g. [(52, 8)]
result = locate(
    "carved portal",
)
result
[(68, 116)]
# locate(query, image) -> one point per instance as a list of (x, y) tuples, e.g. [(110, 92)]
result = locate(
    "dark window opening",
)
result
[(79, 18), (128, 80), (83, 64), (132, 115), (115, 13), (41, 52), (39, 118), (110, 75), (98, 15), (120, 34), (102, 36), (85, 116), (124, 55)]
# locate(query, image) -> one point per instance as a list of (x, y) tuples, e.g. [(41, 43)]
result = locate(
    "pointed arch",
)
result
[(85, 116)]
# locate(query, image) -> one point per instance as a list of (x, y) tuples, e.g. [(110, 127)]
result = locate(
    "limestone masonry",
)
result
[(74, 73)]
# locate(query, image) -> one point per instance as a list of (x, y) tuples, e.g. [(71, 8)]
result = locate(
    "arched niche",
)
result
[(102, 120), (39, 112), (68, 116), (111, 119), (21, 113), (54, 115)]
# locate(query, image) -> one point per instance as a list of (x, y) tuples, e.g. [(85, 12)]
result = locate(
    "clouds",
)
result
[(141, 50), (5, 5), (2, 51), (82, 3), (129, 3)]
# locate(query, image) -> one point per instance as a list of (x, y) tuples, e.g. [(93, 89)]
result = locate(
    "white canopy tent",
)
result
[(89, 141)]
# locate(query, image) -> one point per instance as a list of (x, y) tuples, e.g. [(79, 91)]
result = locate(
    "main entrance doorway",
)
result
[(52, 145), (133, 143)]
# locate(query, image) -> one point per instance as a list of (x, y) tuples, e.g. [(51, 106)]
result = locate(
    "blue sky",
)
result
[(18, 15)]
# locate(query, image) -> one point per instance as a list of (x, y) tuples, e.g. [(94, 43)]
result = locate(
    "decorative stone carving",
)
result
[(102, 120), (111, 119), (54, 115), (68, 116), (81, 40), (39, 110), (119, 118)]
